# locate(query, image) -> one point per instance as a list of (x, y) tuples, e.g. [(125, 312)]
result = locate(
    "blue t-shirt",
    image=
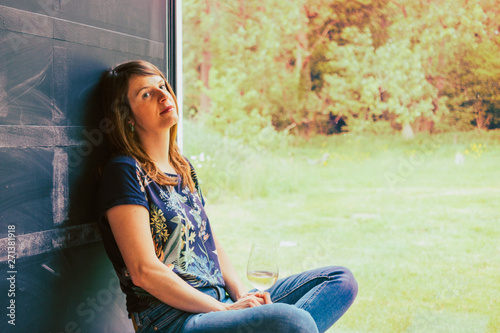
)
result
[(180, 229)]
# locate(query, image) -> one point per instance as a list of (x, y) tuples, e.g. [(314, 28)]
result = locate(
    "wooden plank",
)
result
[(26, 22), (17, 20), (41, 136), (60, 187), (106, 39), (36, 243)]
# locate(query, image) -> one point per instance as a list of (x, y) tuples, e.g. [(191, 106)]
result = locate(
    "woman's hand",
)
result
[(264, 295), (250, 300)]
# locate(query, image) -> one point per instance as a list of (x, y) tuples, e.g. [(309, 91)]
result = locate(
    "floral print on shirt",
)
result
[(181, 233)]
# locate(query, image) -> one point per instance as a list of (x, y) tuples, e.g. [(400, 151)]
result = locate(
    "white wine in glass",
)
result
[(262, 269)]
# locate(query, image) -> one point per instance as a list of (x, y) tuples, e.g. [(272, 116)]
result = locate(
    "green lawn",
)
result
[(416, 221)]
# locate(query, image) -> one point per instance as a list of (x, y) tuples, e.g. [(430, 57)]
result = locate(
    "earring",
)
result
[(132, 128)]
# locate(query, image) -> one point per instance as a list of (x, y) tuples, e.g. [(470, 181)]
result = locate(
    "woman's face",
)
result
[(153, 107)]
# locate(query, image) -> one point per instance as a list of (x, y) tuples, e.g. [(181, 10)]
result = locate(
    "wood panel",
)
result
[(52, 52)]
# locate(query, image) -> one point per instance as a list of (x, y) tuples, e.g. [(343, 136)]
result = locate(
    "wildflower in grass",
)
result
[(324, 158), (475, 150)]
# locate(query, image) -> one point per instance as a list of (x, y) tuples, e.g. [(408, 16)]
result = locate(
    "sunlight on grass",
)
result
[(418, 228)]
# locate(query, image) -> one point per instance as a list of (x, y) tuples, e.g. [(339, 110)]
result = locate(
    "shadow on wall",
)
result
[(90, 291), (84, 160), (61, 279)]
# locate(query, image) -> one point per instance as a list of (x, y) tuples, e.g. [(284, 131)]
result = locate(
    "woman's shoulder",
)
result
[(125, 160), (123, 163)]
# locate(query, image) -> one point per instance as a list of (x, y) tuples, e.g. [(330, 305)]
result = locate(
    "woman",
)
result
[(173, 270)]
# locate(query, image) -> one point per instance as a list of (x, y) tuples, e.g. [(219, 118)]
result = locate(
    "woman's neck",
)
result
[(157, 147)]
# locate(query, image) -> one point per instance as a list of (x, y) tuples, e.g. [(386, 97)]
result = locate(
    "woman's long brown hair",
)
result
[(113, 89)]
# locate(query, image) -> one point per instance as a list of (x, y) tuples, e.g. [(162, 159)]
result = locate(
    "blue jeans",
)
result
[(307, 302)]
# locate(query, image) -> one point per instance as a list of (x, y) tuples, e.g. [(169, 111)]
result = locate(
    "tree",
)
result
[(376, 64), (455, 39)]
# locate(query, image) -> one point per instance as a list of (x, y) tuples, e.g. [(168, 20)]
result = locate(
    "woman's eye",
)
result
[(163, 87), (146, 95)]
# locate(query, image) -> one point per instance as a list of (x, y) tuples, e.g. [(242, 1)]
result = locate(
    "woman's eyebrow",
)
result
[(138, 91)]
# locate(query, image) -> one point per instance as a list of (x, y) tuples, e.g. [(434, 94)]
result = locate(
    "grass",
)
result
[(416, 221)]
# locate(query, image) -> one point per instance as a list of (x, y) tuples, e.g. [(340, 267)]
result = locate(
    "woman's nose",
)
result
[(163, 95)]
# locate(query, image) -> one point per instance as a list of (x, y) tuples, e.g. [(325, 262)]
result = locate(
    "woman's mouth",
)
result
[(167, 109)]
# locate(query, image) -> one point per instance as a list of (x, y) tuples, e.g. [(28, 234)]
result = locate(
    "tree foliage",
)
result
[(312, 65)]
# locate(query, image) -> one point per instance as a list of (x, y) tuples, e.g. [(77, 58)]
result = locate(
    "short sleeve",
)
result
[(121, 184)]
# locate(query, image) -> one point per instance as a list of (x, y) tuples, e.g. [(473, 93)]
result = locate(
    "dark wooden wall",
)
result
[(52, 53)]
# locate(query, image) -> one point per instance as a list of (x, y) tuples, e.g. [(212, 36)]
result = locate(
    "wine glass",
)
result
[(262, 268)]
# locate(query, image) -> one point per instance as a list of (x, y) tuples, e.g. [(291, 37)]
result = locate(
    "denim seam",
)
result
[(145, 314), (322, 286), (299, 286), (145, 322), (165, 321)]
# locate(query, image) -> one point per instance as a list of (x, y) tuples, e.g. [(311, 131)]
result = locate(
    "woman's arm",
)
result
[(234, 285), (130, 227)]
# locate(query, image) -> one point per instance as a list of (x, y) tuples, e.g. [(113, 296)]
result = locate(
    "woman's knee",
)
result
[(344, 279), (349, 281), (288, 318)]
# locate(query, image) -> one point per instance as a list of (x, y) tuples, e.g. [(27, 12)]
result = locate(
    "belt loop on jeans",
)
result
[(221, 292), (218, 293), (135, 320)]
